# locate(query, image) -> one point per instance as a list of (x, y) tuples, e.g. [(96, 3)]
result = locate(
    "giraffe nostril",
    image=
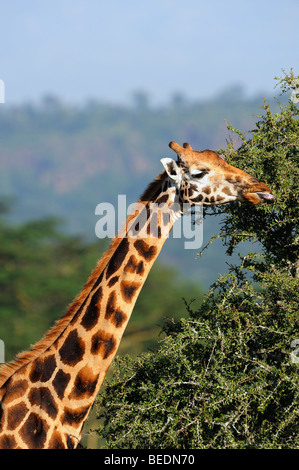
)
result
[(254, 180)]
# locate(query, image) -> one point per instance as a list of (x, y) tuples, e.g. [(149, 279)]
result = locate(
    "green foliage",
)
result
[(221, 379), (272, 154), (227, 376), (42, 271)]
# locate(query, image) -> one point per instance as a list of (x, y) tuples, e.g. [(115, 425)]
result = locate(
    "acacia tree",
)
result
[(227, 376)]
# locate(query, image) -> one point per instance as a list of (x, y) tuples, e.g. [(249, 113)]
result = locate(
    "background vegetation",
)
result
[(58, 162), (61, 160), (227, 376)]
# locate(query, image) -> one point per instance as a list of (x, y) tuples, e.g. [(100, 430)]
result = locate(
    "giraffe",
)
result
[(47, 392)]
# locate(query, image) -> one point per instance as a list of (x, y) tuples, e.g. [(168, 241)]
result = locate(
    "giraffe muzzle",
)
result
[(258, 193)]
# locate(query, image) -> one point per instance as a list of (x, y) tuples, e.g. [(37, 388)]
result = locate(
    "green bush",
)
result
[(227, 376)]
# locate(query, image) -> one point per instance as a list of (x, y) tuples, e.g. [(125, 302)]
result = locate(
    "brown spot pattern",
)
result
[(16, 415), (113, 281), (162, 199), (128, 290), (60, 382), (114, 313), (56, 441), (42, 398), (74, 417), (103, 343), (147, 252), (117, 258), (198, 198), (227, 191), (42, 369), (206, 190), (34, 432), (134, 266), (16, 390), (85, 383), (72, 350), (91, 316), (7, 442)]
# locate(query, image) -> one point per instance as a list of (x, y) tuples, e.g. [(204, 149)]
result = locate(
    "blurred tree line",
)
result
[(59, 151), (227, 376), (61, 159)]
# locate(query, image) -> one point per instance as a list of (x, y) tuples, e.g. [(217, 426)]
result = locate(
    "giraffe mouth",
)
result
[(266, 196), (257, 197)]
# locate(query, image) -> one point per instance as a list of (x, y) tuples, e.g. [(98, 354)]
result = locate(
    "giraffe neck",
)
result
[(46, 400)]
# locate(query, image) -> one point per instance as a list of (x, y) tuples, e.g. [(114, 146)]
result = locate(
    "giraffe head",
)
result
[(205, 178)]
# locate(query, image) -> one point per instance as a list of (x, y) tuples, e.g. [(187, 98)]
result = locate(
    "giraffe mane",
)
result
[(24, 358), (150, 192)]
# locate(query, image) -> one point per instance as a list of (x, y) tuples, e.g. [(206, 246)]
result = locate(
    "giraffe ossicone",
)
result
[(47, 392)]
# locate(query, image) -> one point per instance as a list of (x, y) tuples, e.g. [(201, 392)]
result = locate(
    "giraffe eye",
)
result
[(199, 174)]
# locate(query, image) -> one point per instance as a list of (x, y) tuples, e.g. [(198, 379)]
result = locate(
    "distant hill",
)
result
[(61, 160)]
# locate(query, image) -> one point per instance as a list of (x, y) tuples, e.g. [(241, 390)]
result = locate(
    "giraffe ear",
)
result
[(171, 168)]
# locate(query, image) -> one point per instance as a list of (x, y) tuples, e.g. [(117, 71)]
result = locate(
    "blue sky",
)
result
[(83, 49)]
